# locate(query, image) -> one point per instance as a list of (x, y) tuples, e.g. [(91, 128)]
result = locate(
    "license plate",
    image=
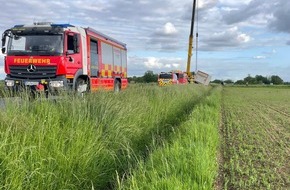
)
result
[(30, 83)]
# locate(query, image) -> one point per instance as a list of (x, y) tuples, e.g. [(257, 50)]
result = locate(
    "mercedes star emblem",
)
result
[(31, 68)]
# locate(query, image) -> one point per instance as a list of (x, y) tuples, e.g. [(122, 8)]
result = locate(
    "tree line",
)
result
[(258, 79), (148, 77)]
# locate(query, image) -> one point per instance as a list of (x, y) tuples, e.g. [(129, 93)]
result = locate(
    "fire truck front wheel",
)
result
[(82, 85)]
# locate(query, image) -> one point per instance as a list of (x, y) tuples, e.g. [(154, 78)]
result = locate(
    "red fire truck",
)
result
[(51, 57), (173, 77)]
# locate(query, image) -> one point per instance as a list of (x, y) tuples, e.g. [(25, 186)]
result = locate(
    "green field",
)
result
[(256, 138), (147, 137)]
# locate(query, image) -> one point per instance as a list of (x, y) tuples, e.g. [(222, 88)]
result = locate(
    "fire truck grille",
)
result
[(39, 72)]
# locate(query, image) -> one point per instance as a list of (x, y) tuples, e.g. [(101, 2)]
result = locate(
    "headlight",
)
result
[(9, 83), (56, 84)]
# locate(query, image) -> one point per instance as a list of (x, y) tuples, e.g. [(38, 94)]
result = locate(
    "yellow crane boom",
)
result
[(190, 41)]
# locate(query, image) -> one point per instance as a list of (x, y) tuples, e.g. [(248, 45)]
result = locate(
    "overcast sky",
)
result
[(236, 37)]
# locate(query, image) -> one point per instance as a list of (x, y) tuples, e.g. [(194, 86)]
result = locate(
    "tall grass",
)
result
[(80, 143), (188, 160)]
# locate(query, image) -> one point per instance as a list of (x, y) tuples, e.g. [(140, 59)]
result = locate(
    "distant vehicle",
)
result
[(52, 57), (171, 78)]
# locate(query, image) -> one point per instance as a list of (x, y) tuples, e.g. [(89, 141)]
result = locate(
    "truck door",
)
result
[(73, 51), (94, 58)]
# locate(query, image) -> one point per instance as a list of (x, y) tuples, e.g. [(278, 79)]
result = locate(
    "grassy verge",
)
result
[(2, 88), (80, 143), (188, 159)]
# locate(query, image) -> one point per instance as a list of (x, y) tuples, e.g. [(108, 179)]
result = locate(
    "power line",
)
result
[(196, 50)]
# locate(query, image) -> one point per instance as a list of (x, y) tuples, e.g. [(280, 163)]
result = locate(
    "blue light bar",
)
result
[(62, 25), (18, 26)]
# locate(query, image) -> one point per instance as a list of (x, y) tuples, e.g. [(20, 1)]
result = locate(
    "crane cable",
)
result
[(196, 40)]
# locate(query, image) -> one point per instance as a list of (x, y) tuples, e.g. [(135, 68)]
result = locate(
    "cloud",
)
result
[(138, 65), (162, 63), (246, 11), (206, 4), (153, 62), (259, 57), (288, 43), (272, 52), (274, 13), (231, 37), (234, 3), (281, 14), (167, 30), (165, 38), (91, 6), (163, 43)]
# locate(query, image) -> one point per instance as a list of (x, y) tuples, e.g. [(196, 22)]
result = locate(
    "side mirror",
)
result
[(3, 40), (3, 50), (7, 33), (3, 43)]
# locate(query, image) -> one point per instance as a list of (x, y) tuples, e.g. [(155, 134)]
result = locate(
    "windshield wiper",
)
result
[(18, 52)]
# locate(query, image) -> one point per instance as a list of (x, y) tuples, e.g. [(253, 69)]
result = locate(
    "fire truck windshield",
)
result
[(35, 45), (165, 76)]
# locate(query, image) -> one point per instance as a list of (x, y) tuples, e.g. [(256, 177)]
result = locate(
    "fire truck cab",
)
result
[(53, 57), (173, 77)]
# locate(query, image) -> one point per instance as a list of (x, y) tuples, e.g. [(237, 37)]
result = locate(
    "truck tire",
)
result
[(117, 86)]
